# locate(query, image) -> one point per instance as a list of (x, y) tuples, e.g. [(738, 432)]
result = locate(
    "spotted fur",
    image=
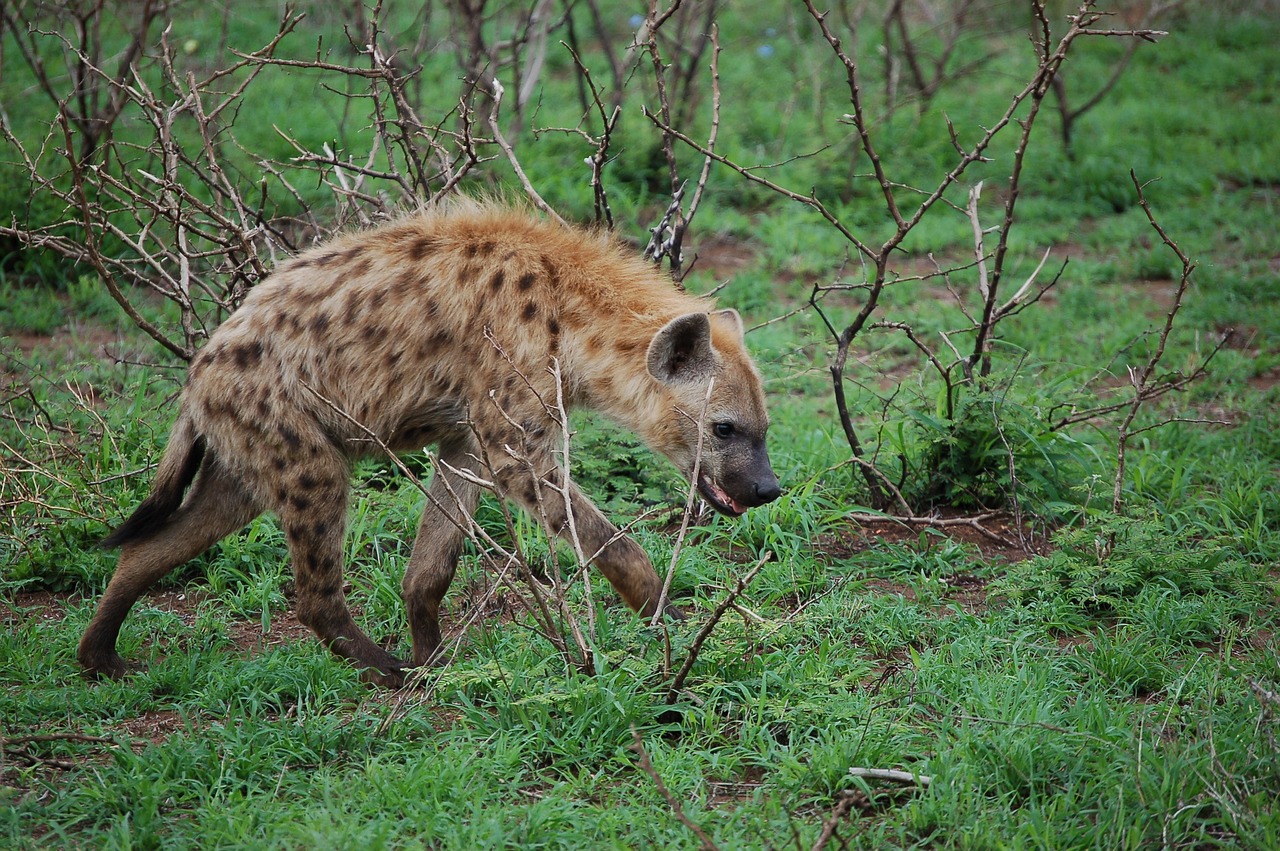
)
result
[(445, 328)]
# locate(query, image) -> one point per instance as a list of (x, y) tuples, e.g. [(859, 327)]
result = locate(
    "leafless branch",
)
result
[(642, 756)]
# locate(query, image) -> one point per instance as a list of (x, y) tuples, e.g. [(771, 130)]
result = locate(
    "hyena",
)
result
[(456, 328)]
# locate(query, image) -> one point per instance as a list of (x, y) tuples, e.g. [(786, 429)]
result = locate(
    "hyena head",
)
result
[(690, 355)]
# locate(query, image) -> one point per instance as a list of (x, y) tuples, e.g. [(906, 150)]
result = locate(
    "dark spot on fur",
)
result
[(495, 283), (335, 257), (279, 463), (433, 307), (301, 503), (307, 481), (321, 529), (526, 280), (360, 268), (291, 437), (320, 323), (352, 308), (402, 287), (530, 311), (421, 248), (549, 268), (310, 296), (393, 358), (553, 327)]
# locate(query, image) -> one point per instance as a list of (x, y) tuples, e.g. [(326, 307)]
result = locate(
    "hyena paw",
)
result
[(388, 673), (103, 666)]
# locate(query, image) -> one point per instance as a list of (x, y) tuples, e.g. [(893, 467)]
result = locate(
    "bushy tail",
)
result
[(181, 461)]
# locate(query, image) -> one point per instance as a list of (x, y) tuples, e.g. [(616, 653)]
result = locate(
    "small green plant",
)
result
[(1115, 567)]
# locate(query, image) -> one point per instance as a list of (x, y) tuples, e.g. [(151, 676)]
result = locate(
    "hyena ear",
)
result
[(729, 320), (681, 351)]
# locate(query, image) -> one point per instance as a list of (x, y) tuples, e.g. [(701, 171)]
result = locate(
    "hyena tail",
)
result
[(178, 467)]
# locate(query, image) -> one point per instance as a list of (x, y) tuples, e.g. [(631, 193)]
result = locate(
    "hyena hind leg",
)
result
[(216, 506), (451, 500), (313, 512)]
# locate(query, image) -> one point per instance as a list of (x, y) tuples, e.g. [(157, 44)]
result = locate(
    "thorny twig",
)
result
[(642, 756), (677, 683), (1141, 378), (689, 503)]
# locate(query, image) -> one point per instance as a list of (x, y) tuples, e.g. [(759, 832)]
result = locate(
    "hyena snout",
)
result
[(761, 486), (738, 488), (767, 488)]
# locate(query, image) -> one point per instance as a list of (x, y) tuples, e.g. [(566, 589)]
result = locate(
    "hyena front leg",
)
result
[(312, 503), (451, 500), (616, 555), (216, 506)]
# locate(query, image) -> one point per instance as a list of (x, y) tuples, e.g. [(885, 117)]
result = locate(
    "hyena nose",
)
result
[(768, 490)]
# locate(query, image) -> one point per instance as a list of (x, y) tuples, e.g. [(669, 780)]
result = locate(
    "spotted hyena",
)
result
[(447, 328)]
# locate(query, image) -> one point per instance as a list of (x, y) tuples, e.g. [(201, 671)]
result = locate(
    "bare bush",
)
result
[(983, 291)]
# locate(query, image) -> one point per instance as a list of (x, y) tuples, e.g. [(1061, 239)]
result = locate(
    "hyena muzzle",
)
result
[(458, 328)]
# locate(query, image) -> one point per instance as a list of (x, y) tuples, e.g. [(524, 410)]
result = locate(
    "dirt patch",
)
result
[(247, 635), (996, 537), (152, 726)]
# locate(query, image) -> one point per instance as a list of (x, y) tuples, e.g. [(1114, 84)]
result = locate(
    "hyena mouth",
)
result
[(718, 499)]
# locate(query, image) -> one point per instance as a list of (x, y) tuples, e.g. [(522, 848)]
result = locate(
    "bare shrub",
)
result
[(983, 289)]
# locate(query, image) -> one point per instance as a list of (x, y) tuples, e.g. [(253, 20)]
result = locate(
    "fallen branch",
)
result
[(974, 523), (16, 748), (849, 799), (894, 775)]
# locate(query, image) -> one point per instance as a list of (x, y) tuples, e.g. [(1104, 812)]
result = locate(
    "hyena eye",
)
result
[(724, 431)]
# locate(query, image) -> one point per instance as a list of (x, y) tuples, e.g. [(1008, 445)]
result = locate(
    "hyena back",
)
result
[(448, 328)]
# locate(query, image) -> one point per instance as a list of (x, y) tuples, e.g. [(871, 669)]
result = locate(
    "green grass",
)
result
[(1115, 689)]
